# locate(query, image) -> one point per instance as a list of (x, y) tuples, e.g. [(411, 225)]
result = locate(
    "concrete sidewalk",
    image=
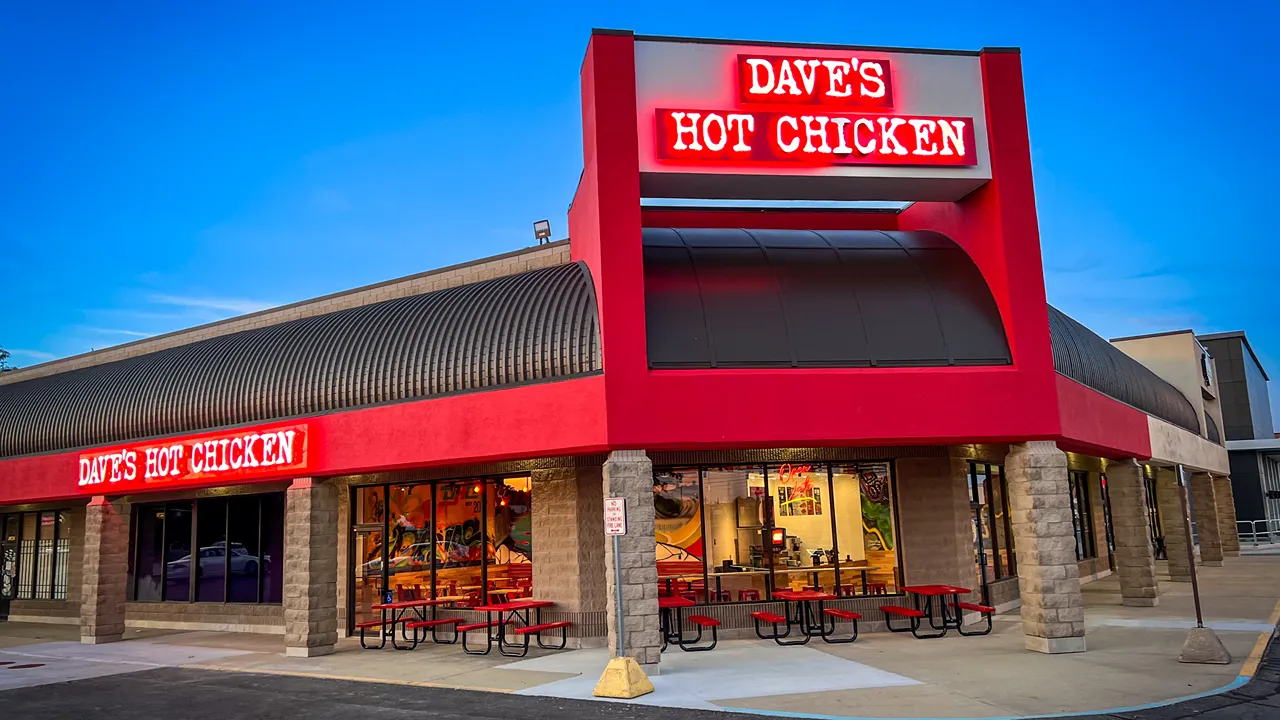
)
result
[(1131, 661)]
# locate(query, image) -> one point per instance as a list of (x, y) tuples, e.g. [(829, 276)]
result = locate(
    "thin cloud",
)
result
[(39, 355), (116, 331), (238, 306)]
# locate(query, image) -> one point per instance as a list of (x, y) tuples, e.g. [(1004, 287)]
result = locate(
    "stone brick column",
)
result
[(1227, 515), (310, 568), (105, 574), (1048, 577), (568, 522), (1204, 503), (629, 474), (1168, 498), (1135, 558)]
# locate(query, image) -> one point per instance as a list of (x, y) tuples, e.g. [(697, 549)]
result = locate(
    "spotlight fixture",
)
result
[(542, 231)]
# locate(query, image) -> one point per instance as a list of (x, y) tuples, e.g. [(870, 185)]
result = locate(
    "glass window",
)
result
[(177, 552), (412, 541), (9, 555), (62, 555), (733, 507), (995, 557), (460, 545), (677, 510), (511, 539), (237, 557), (211, 544), (34, 550), (863, 510), (27, 555), (1082, 515), (272, 538), (368, 531), (784, 526), (245, 561), (801, 498)]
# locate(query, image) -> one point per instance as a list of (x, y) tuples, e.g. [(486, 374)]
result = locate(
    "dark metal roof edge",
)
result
[(308, 416), (279, 308)]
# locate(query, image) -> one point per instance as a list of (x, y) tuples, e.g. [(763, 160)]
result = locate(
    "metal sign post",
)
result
[(615, 524), (1202, 644)]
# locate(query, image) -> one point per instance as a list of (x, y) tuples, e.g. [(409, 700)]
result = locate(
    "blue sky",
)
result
[(169, 164)]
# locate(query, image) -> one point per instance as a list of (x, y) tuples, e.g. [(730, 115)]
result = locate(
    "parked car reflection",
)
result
[(213, 558)]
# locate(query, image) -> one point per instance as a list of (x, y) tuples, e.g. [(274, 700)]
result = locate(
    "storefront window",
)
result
[(862, 497), (436, 547), (801, 498), (34, 551), (237, 557), (677, 510), (734, 508), (780, 526), (460, 547), (1082, 515)]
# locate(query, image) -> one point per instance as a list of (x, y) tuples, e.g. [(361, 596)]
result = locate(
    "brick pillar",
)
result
[(1227, 515), (1204, 503), (1048, 577), (105, 574), (937, 521), (1169, 500), (568, 522), (629, 474), (310, 568), (1135, 558)]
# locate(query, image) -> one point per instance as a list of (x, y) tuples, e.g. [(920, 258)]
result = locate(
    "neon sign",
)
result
[(816, 112), (200, 460)]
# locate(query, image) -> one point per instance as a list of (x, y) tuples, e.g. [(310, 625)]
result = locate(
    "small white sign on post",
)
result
[(615, 516)]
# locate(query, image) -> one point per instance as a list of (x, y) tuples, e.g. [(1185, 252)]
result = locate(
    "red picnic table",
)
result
[(946, 618), (398, 612), (517, 615), (672, 631)]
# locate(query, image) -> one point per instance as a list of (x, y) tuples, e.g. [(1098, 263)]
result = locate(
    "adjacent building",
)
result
[(1252, 444)]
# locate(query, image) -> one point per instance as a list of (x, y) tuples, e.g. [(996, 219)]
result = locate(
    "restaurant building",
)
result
[(853, 399)]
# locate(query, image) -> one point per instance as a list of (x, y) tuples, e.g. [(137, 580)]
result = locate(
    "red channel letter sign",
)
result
[(232, 456), (812, 111)]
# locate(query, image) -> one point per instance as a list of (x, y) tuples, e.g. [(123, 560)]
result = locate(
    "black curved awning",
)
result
[(728, 297), (535, 326), (1090, 360)]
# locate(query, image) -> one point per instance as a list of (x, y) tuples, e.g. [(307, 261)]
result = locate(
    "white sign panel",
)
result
[(615, 516)]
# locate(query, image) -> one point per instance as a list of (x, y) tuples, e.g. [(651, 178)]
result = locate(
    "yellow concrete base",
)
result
[(623, 679)]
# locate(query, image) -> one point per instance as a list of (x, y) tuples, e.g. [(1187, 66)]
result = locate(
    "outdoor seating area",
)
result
[(935, 611), (407, 623)]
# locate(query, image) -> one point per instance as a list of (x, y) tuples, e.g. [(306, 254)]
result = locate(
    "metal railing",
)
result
[(1258, 532)]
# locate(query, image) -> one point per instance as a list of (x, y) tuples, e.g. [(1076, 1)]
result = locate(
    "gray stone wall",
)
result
[(568, 525), (936, 521), (311, 568), (1048, 574), (629, 474), (215, 617)]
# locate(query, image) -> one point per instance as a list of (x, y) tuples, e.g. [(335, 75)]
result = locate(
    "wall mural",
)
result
[(677, 516), (877, 506)]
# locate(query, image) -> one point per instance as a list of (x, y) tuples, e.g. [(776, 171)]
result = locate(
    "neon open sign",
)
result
[(813, 111)]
